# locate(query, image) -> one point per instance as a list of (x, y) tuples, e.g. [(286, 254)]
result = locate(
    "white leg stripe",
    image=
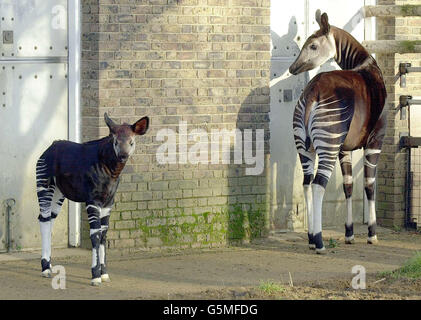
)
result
[(104, 212), (369, 164), (45, 228), (318, 194), (94, 258), (95, 207), (368, 152), (349, 211), (369, 181), (372, 212), (309, 204), (92, 231), (101, 254), (347, 179)]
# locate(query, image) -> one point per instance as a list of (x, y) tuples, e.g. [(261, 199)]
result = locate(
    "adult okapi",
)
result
[(89, 173), (338, 112)]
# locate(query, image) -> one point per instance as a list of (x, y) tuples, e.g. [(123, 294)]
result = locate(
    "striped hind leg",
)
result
[(326, 164), (50, 200), (307, 156), (345, 159)]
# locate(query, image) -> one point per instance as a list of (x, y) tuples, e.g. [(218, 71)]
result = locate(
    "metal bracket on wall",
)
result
[(407, 141), (404, 102), (7, 37), (287, 95), (405, 68)]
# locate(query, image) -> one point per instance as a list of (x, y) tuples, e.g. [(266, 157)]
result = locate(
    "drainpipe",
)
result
[(74, 66)]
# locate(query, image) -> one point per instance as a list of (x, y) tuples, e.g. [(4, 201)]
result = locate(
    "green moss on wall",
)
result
[(409, 10), (205, 229), (409, 45)]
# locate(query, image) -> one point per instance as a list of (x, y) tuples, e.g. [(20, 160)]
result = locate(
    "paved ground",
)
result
[(216, 273)]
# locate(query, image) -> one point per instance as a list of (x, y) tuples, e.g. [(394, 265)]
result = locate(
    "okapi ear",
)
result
[(110, 123), (324, 23), (141, 126), (318, 17)]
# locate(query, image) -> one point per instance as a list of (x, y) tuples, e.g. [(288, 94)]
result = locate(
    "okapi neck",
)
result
[(350, 54), (108, 159)]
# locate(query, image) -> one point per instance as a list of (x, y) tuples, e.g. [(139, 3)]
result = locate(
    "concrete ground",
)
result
[(281, 258)]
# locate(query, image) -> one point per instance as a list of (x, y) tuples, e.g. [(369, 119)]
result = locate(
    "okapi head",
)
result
[(317, 49), (124, 136)]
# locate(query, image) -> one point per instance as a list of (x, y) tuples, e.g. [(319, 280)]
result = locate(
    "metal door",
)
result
[(291, 24), (33, 112)]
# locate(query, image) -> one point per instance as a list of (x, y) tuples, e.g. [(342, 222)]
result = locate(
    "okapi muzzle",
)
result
[(85, 172)]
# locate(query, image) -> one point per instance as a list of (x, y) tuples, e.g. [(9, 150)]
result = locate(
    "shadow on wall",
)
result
[(248, 193), (287, 204)]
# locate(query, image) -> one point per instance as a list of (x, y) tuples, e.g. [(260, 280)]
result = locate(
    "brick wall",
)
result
[(205, 62), (391, 186)]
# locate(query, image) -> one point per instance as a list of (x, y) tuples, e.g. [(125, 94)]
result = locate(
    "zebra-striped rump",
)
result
[(50, 198)]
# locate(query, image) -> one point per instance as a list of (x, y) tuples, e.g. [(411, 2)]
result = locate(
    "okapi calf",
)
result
[(89, 173)]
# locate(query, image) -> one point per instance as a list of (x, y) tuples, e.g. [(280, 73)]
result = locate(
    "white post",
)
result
[(369, 34), (74, 31)]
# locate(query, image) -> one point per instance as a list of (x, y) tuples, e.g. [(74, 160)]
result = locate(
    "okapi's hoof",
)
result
[(311, 244), (105, 278), (321, 250), (46, 268), (46, 273), (350, 240), (96, 282), (372, 240)]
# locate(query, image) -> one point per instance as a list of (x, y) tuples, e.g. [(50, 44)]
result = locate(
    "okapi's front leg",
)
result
[(345, 159), (105, 218), (371, 157), (94, 212)]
